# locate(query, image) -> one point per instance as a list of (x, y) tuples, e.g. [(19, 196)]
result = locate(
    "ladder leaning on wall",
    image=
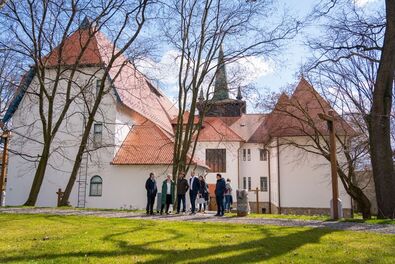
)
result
[(83, 173)]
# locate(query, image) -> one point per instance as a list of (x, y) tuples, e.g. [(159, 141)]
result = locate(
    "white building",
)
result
[(134, 132)]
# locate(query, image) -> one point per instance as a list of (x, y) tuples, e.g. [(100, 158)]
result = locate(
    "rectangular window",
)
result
[(97, 134), (244, 154), (244, 183), (249, 183), (216, 159), (98, 84), (249, 154), (263, 154), (264, 184)]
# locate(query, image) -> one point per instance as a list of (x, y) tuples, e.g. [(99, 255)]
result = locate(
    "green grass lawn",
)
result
[(357, 218), (73, 239)]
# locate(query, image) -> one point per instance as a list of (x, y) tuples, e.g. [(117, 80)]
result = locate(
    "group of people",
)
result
[(198, 191)]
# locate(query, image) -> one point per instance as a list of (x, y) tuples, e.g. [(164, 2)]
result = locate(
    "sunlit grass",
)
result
[(77, 239)]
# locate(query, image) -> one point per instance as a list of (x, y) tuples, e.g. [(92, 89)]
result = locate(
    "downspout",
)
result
[(238, 166), (270, 182), (278, 176)]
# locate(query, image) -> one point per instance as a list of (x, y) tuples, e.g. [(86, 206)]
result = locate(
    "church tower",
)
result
[(220, 104)]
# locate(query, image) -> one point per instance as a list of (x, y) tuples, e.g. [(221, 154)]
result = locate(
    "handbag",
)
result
[(201, 200)]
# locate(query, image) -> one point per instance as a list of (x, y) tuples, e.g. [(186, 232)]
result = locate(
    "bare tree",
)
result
[(9, 78), (38, 31), (137, 14), (357, 37), (295, 121), (197, 30)]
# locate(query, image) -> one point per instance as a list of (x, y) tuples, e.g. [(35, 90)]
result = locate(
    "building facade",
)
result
[(133, 135)]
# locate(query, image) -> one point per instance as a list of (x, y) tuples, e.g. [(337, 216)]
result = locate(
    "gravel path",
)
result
[(209, 217)]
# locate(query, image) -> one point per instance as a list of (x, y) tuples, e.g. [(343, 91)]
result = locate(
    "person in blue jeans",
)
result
[(228, 196), (220, 188)]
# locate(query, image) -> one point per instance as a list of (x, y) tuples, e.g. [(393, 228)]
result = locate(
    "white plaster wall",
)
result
[(26, 143), (305, 179), (254, 168), (231, 161), (274, 173), (123, 124)]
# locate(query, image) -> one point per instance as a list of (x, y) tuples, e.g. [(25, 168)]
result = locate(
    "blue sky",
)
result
[(266, 76)]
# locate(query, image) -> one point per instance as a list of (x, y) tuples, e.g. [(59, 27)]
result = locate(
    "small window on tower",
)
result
[(264, 184), (263, 154), (98, 84), (97, 134), (216, 159), (96, 184), (244, 154), (249, 154), (249, 183)]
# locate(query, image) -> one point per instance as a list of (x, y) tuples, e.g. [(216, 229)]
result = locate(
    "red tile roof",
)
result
[(185, 118), (145, 144), (214, 129), (81, 44), (298, 116), (131, 86)]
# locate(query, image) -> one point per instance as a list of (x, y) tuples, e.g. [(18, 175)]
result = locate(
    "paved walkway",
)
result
[(209, 217)]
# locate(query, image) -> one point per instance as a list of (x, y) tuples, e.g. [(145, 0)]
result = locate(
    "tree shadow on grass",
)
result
[(265, 248)]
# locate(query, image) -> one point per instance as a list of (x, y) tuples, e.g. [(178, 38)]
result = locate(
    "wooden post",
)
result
[(257, 199), (60, 195), (5, 136), (332, 141)]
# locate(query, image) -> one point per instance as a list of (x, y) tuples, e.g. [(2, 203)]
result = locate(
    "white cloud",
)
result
[(362, 3), (250, 69), (240, 73)]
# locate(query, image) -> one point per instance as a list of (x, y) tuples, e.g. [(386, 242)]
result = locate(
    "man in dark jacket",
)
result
[(220, 188), (182, 188), (194, 186), (150, 186)]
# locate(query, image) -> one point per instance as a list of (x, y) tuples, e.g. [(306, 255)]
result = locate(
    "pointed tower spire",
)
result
[(239, 96), (86, 23), (221, 91)]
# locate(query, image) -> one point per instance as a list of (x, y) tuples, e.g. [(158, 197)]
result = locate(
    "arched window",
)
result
[(96, 186)]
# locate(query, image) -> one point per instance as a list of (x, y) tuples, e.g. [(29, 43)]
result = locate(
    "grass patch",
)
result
[(76, 239), (286, 216), (81, 209), (358, 219)]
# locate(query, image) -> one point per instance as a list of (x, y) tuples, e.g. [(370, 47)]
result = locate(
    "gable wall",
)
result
[(27, 137)]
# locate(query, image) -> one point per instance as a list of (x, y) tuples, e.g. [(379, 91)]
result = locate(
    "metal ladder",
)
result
[(83, 173)]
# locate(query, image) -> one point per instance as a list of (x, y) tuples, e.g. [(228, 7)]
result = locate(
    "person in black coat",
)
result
[(150, 186), (220, 188), (194, 186), (182, 188)]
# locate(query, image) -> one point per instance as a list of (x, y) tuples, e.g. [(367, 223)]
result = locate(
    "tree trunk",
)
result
[(38, 177), (77, 163), (362, 200), (379, 121)]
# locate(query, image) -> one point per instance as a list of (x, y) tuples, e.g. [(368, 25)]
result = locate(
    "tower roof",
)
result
[(221, 91)]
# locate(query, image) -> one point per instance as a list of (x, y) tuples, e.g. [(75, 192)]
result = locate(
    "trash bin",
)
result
[(243, 206)]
